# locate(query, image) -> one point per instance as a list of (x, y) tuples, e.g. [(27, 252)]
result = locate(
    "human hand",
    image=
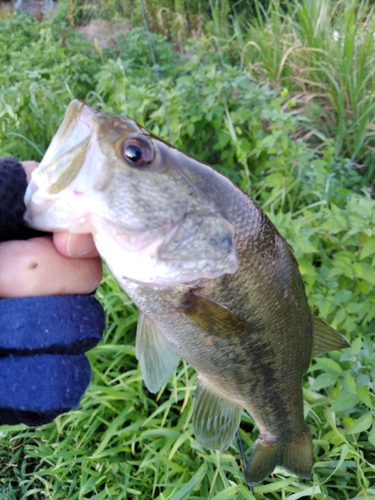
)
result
[(63, 264), (48, 318)]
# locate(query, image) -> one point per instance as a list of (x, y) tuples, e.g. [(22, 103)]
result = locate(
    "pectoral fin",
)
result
[(215, 419), (156, 355), (325, 338), (213, 318)]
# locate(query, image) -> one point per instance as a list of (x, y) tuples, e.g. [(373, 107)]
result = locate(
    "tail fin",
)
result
[(295, 456)]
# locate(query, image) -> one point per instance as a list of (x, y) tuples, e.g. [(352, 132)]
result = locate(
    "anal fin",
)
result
[(215, 419), (155, 354), (326, 338), (266, 454)]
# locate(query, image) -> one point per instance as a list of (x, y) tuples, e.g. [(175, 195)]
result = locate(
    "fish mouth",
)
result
[(75, 129), (60, 196), (60, 165), (46, 213)]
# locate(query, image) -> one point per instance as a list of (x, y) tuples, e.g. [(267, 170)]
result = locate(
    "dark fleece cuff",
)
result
[(35, 389), (43, 371), (12, 191), (59, 324)]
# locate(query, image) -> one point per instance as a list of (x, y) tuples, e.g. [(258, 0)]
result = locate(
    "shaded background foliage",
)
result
[(282, 105)]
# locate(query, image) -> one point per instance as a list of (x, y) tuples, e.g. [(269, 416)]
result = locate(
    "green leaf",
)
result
[(371, 436), (227, 494), (368, 248), (345, 401), (356, 345), (329, 366), (308, 492), (365, 396), (323, 380), (364, 271), (363, 423), (340, 316), (190, 129), (191, 485), (305, 245)]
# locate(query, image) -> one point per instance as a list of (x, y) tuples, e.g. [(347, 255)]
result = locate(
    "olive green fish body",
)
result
[(254, 342), (215, 282), (259, 363)]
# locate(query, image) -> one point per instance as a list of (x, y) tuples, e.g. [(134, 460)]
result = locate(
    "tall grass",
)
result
[(323, 52)]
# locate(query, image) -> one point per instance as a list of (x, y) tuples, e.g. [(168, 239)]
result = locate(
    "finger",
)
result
[(29, 166), (75, 245), (34, 267)]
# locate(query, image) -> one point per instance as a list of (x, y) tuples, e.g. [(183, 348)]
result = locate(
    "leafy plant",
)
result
[(134, 49), (42, 70), (123, 442), (224, 117)]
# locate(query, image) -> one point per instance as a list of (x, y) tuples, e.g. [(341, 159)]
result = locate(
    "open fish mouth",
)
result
[(64, 162)]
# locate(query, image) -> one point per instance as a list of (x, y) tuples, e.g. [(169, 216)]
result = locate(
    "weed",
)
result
[(123, 442)]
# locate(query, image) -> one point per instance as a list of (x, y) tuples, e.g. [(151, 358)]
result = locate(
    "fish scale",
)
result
[(215, 282)]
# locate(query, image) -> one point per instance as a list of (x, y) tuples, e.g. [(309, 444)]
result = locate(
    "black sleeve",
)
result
[(12, 191)]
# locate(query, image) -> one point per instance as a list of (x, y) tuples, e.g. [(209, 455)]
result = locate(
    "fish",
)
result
[(215, 282)]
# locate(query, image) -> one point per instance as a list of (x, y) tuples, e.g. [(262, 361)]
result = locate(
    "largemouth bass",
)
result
[(215, 282)]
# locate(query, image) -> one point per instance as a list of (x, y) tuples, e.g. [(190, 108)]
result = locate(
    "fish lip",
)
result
[(34, 214), (81, 119), (32, 188), (75, 131)]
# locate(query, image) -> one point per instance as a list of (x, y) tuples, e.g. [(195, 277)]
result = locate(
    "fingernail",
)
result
[(79, 245)]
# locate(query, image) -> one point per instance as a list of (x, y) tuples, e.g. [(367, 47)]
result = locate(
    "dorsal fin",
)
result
[(155, 353), (215, 419), (326, 338)]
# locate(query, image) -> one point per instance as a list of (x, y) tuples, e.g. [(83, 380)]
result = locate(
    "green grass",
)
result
[(323, 52), (240, 110), (125, 443)]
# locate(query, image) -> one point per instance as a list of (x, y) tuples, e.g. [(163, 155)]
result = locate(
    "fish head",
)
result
[(106, 175)]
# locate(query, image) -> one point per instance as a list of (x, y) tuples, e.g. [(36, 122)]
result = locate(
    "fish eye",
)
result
[(137, 151)]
